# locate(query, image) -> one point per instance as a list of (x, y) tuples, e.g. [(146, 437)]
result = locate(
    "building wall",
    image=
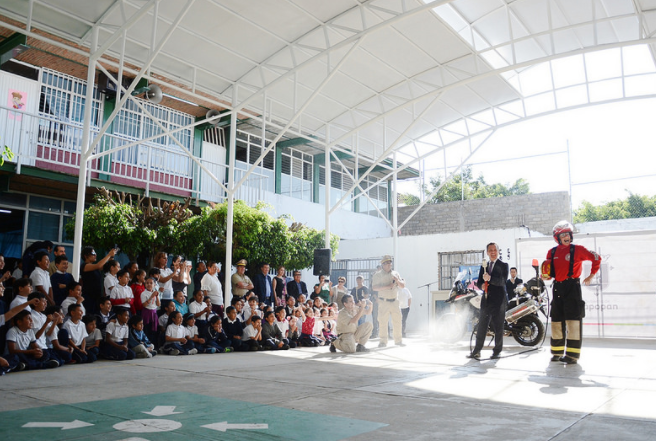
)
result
[(539, 212), (417, 260), (346, 224)]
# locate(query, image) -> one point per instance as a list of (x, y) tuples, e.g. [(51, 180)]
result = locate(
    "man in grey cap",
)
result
[(388, 282)]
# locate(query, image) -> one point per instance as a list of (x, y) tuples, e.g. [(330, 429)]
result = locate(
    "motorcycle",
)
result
[(521, 322)]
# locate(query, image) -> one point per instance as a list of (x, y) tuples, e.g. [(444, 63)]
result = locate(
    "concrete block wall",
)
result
[(539, 212)]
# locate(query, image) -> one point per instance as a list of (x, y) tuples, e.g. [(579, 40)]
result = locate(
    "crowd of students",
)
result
[(129, 313)]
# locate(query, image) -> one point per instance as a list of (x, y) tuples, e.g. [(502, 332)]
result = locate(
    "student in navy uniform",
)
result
[(234, 329)]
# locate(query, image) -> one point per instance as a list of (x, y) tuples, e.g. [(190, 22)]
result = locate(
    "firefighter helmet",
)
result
[(545, 270), (563, 227)]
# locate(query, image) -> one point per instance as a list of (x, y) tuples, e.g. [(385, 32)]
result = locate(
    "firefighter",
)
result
[(567, 307)]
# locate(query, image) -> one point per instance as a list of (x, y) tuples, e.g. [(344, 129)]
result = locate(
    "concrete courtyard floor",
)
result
[(423, 391)]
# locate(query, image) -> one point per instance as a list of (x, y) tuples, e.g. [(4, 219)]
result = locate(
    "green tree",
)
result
[(257, 236), (107, 224), (634, 206), (465, 186)]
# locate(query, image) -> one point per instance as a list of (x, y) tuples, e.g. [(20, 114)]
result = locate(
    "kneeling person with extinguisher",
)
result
[(567, 307)]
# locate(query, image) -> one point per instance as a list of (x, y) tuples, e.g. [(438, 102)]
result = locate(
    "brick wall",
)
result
[(539, 212)]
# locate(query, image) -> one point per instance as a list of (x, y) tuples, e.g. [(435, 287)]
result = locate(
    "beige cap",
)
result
[(242, 262), (386, 258)]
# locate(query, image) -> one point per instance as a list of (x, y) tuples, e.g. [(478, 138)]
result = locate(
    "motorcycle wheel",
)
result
[(450, 328), (528, 331)]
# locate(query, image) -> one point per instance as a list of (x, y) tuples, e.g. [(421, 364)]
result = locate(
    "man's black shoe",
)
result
[(556, 358), (333, 348), (495, 357), (476, 356)]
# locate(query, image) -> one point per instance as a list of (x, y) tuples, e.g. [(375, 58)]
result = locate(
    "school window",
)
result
[(341, 183), (61, 107), (249, 147), (161, 151), (450, 265), (296, 174)]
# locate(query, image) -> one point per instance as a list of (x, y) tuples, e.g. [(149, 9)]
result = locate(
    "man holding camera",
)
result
[(351, 337)]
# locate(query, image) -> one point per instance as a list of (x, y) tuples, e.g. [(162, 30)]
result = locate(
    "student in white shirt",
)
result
[(77, 333), (115, 346), (175, 339), (41, 277)]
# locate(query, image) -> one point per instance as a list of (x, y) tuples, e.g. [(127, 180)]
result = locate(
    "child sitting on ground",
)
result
[(189, 322), (253, 333), (283, 325), (10, 362), (307, 330), (272, 338), (115, 346), (21, 341), (41, 326), (234, 329), (77, 334), (175, 340), (94, 337), (328, 330), (215, 337), (163, 322), (57, 337), (137, 339)]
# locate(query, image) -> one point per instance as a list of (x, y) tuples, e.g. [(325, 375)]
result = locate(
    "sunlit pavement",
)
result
[(424, 390)]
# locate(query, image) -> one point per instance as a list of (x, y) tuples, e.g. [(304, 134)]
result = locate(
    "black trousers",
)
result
[(491, 315)]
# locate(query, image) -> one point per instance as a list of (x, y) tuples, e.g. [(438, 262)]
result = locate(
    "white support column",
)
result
[(327, 180), (84, 157), (395, 211), (227, 265)]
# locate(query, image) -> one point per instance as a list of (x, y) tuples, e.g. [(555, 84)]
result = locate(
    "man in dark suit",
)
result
[(512, 283), (263, 286), (296, 287), (493, 304)]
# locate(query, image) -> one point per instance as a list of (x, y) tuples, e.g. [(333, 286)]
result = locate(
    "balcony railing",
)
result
[(49, 144)]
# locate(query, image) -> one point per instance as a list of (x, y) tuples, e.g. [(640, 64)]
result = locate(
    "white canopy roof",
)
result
[(375, 76)]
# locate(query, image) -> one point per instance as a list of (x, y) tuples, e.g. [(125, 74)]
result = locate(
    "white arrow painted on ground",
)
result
[(76, 424), (225, 426), (162, 411)]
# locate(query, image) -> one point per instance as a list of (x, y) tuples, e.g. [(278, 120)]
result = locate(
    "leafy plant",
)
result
[(6, 153), (257, 236)]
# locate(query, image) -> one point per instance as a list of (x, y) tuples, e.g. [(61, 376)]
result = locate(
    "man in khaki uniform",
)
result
[(351, 337), (388, 282), (241, 283)]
